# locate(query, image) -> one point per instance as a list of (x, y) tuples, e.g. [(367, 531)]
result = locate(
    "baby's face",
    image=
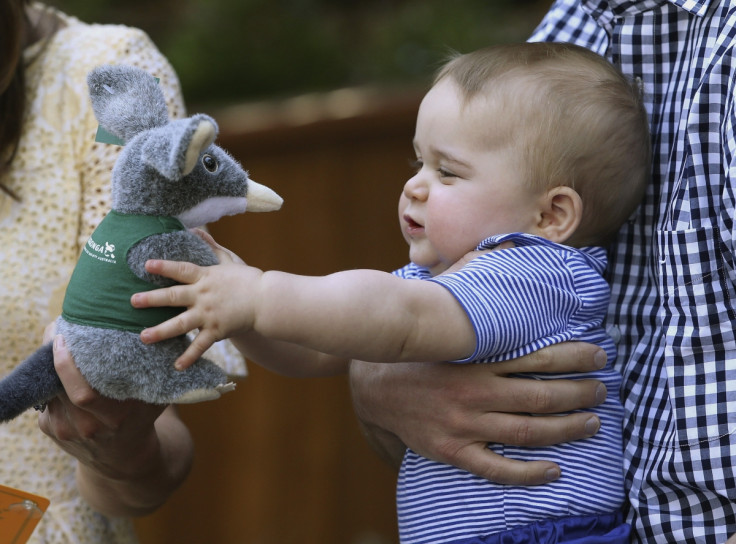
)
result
[(465, 188)]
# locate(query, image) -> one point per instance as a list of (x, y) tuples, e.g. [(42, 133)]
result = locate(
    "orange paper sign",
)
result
[(20, 512)]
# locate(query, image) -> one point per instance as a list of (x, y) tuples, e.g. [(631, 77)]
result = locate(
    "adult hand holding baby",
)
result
[(480, 404)]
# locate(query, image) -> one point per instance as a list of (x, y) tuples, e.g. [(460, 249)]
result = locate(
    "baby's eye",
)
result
[(415, 164), (446, 173), (209, 163)]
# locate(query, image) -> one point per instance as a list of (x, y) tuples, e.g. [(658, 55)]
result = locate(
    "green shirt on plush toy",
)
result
[(100, 288)]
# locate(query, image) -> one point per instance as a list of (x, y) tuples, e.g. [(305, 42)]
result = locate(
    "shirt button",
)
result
[(614, 332)]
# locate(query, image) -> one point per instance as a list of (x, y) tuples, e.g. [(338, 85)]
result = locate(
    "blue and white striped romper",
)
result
[(520, 300)]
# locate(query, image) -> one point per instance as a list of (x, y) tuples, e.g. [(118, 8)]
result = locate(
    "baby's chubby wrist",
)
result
[(268, 300)]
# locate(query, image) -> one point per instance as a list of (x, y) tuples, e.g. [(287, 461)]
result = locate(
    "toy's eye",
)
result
[(209, 162)]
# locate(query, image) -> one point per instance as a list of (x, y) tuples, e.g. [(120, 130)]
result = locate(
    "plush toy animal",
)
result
[(169, 177)]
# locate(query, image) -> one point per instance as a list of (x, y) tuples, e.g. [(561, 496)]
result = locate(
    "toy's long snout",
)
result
[(262, 199)]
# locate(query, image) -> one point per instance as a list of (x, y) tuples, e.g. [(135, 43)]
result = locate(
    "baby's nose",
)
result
[(415, 188)]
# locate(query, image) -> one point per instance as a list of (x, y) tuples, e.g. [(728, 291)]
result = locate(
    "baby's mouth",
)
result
[(411, 225)]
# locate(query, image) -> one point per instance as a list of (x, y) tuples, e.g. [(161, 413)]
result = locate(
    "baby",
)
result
[(531, 154)]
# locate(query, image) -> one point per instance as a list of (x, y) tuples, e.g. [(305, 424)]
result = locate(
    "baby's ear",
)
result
[(562, 211)]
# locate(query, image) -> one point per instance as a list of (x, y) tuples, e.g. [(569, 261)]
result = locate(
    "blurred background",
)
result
[(317, 99), (234, 50)]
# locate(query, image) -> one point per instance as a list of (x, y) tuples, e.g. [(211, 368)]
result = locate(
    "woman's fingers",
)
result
[(223, 254)]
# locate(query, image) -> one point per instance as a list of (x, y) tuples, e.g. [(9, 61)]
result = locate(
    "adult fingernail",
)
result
[(58, 342), (600, 358), (592, 426), (552, 474), (601, 393)]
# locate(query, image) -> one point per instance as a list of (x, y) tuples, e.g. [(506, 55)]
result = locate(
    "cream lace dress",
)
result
[(62, 178)]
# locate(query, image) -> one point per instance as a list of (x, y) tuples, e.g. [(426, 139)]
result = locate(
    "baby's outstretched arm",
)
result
[(215, 318), (355, 314)]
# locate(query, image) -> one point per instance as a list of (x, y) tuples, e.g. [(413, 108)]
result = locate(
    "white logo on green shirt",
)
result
[(104, 253)]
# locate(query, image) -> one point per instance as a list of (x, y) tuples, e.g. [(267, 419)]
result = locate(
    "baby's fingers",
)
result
[(180, 271), (177, 296), (176, 326), (201, 343)]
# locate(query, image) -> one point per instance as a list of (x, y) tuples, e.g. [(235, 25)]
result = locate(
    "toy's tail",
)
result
[(31, 383)]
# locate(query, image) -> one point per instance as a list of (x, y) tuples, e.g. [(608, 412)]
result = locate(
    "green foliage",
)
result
[(227, 50)]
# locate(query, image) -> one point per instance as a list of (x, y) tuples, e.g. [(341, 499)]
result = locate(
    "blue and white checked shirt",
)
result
[(520, 300), (672, 271)]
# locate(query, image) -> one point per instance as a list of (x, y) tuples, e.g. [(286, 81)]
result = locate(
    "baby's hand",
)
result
[(179, 295), (217, 301)]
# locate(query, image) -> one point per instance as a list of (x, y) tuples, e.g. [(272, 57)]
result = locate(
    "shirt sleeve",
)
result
[(521, 299)]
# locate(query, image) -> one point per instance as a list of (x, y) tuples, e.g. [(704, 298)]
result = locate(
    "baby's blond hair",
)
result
[(571, 119)]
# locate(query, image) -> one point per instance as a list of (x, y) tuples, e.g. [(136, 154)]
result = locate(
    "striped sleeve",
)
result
[(525, 298)]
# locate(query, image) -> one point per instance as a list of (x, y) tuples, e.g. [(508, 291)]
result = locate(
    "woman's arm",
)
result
[(289, 359), (130, 456)]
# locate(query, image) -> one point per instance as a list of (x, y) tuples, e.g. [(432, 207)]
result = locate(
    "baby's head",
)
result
[(567, 118)]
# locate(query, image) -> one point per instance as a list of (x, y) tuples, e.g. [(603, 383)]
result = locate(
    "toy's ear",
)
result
[(126, 100), (173, 150)]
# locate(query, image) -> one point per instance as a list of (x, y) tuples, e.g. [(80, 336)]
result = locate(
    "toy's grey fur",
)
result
[(167, 168)]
